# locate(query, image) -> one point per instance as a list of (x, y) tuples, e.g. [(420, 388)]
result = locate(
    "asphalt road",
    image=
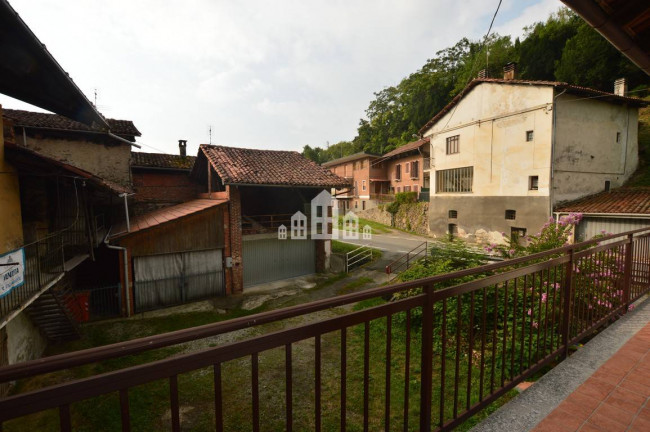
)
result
[(395, 242)]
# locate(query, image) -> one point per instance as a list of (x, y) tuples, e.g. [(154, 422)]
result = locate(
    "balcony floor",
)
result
[(604, 386)]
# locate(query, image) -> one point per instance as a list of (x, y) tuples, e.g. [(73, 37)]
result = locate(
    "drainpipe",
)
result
[(127, 289), (112, 135), (126, 210), (553, 133)]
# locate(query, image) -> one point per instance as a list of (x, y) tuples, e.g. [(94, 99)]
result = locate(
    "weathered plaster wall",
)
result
[(482, 219), (110, 162), (24, 340), (587, 152), (11, 228)]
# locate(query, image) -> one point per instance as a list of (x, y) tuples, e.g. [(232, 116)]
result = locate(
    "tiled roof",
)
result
[(356, 156), (632, 200), (268, 167), (55, 121), (589, 92), (407, 147), (162, 160), (167, 214)]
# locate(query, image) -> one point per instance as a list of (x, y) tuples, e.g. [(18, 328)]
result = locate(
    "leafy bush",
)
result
[(406, 197)]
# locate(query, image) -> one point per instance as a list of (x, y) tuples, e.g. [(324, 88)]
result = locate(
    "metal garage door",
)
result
[(169, 279), (269, 260), (591, 226)]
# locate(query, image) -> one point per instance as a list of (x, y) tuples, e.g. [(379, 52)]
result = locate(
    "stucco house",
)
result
[(505, 152), (367, 179)]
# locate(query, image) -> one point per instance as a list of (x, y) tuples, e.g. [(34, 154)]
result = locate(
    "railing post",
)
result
[(426, 360), (627, 276), (566, 313)]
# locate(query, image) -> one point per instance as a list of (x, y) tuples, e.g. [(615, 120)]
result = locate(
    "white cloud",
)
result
[(278, 74)]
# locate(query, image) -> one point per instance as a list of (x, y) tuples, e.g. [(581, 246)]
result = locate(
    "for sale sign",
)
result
[(12, 271)]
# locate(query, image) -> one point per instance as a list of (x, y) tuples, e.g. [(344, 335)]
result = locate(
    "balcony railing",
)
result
[(433, 357), (260, 224), (43, 264)]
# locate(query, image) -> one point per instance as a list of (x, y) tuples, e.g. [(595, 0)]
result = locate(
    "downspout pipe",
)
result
[(126, 210), (127, 287)]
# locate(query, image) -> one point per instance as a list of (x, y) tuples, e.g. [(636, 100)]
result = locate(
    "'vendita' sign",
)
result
[(12, 271)]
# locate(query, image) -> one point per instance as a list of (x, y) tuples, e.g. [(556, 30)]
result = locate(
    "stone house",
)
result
[(505, 152)]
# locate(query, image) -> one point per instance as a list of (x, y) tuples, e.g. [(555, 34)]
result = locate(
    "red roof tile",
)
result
[(407, 147), (124, 128), (268, 167), (352, 157), (164, 215), (622, 200), (609, 97), (162, 160)]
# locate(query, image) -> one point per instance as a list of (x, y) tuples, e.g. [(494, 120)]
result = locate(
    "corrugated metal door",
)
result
[(269, 260), (169, 279), (591, 226)]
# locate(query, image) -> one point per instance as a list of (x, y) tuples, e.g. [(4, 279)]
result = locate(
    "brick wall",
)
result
[(158, 189), (237, 270)]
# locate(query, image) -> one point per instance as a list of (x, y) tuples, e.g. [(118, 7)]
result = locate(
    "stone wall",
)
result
[(24, 340), (410, 217)]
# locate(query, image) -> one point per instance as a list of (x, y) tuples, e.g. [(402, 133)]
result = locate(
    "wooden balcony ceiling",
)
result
[(624, 23)]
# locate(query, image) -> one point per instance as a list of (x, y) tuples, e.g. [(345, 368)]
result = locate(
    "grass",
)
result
[(340, 247), (149, 404), (354, 285), (377, 228)]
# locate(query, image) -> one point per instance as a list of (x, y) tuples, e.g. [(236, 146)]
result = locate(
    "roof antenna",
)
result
[(210, 133), (95, 98)]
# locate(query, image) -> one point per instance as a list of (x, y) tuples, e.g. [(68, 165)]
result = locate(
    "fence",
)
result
[(445, 348), (43, 265), (405, 261), (357, 257)]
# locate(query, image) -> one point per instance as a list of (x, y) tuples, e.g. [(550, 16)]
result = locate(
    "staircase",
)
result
[(54, 313)]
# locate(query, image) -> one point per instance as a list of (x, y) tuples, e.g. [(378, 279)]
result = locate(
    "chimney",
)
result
[(510, 71), (182, 145), (620, 87), (483, 73)]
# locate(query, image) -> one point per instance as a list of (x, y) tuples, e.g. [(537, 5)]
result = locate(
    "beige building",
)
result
[(504, 152)]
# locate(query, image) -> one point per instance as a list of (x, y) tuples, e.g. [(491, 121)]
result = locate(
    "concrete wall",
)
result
[(482, 219), (587, 152), (24, 340), (11, 228), (109, 160)]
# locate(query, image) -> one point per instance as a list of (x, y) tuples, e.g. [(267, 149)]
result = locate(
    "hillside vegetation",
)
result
[(563, 48)]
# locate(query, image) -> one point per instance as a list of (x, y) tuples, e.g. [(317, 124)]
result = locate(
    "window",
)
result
[(407, 188), (398, 172), (455, 180), (516, 234), (415, 188), (392, 190), (607, 185), (529, 135), (406, 168), (363, 185), (533, 183), (453, 214), (399, 189), (415, 169), (618, 137), (453, 144), (511, 214), (356, 204), (363, 205)]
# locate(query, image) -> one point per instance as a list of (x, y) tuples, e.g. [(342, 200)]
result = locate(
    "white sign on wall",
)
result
[(12, 271)]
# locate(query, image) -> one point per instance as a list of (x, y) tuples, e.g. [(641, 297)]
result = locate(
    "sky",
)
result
[(275, 74)]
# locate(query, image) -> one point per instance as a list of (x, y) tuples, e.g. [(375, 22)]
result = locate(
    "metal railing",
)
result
[(258, 224), (43, 264), (356, 257), (405, 261), (431, 358)]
